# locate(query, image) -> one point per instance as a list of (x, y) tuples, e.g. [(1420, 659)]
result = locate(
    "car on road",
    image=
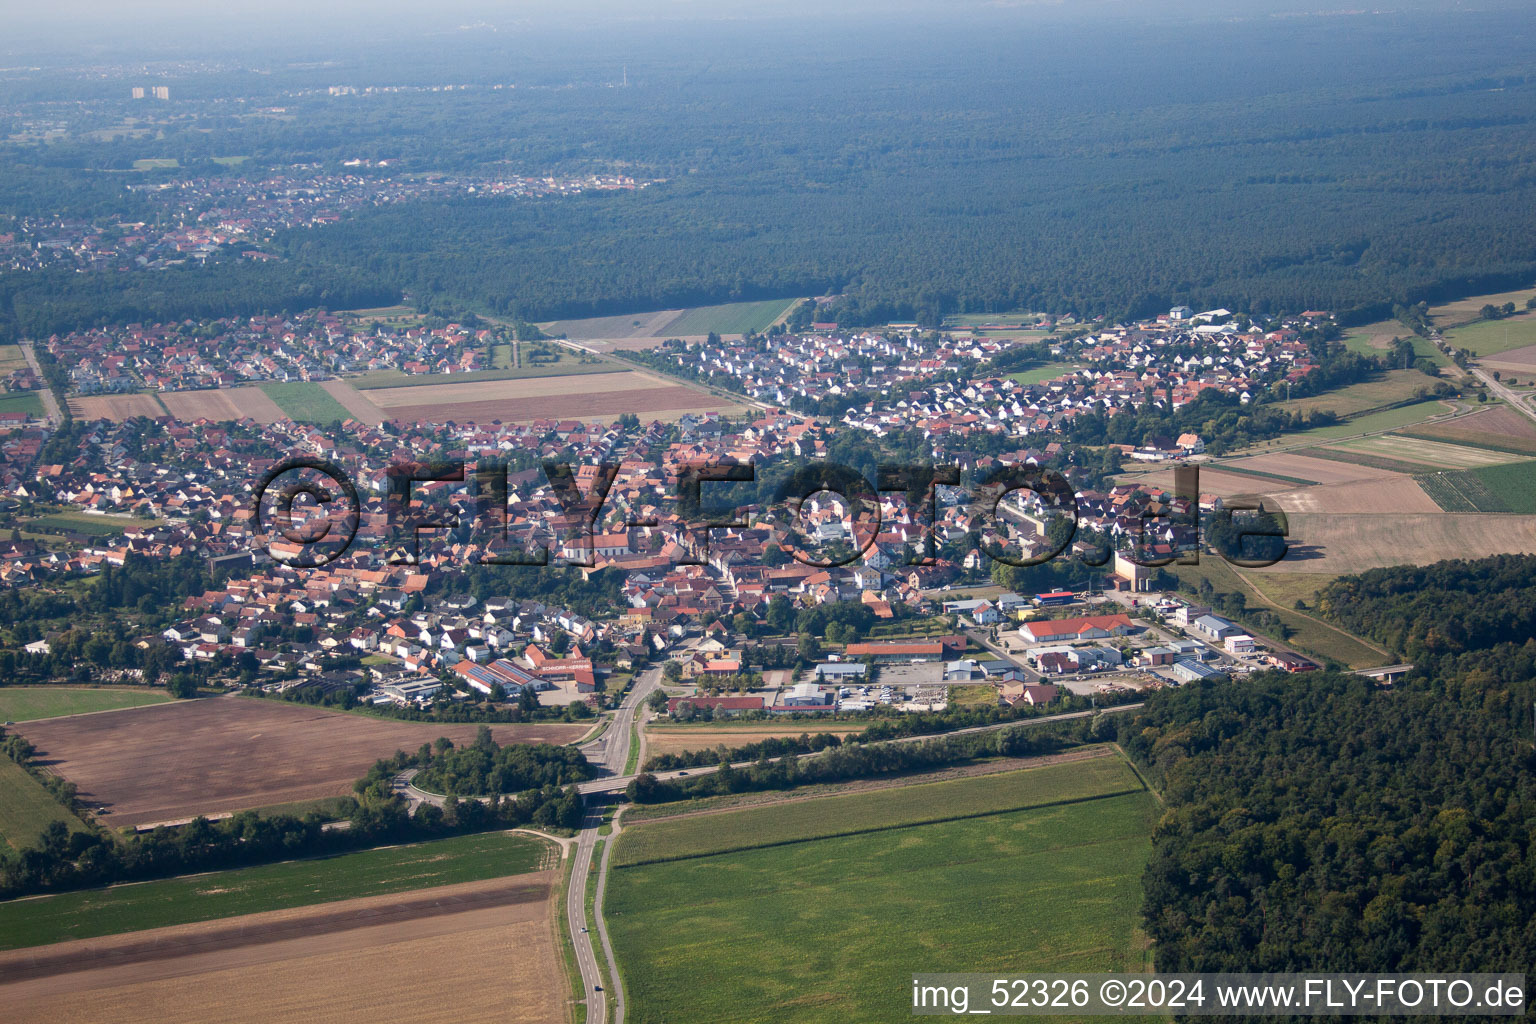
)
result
[(597, 988)]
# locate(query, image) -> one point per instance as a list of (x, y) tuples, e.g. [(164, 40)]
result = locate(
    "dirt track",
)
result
[(211, 756), (468, 952)]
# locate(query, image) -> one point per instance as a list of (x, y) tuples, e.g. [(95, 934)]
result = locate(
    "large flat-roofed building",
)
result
[(906, 651), (805, 695), (841, 671), (1194, 672), (512, 678)]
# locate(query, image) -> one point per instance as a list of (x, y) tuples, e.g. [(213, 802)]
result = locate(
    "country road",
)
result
[(609, 752), (50, 400), (1500, 390)]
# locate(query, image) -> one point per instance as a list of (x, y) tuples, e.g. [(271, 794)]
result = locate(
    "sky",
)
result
[(46, 33)]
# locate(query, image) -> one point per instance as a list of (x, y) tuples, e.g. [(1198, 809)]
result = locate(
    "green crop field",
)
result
[(567, 365), (88, 523), (1507, 488), (11, 358), (305, 401), (1390, 388), (829, 930), (300, 883), (29, 703), (26, 808), (1366, 423), (29, 402), (841, 815), (733, 318), (1040, 374), (1490, 337), (1364, 341)]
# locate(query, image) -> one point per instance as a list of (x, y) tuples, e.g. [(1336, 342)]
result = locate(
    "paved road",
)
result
[(610, 752), (50, 401), (1500, 390)]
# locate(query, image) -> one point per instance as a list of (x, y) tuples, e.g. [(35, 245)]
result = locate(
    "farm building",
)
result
[(1091, 627)]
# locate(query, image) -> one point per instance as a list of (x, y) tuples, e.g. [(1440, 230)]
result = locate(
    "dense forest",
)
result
[(486, 767), (1321, 823), (1110, 168)]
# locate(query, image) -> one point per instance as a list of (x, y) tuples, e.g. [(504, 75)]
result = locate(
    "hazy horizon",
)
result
[(170, 29)]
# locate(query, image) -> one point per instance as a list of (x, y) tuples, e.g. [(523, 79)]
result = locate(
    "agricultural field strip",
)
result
[(815, 932), (1431, 453), (241, 892), (535, 387), (657, 841), (259, 928), (170, 761), (32, 703), (26, 808)]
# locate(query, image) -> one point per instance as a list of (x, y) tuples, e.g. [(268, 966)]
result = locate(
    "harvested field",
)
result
[(114, 407), (573, 397), (629, 325), (1471, 307), (234, 404), (507, 391), (676, 739), (340, 963), (1429, 453), (1305, 467), (1398, 493), (218, 755), (1516, 359), (1501, 434), (1216, 481), (1339, 543), (733, 318), (359, 405), (1373, 461)]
